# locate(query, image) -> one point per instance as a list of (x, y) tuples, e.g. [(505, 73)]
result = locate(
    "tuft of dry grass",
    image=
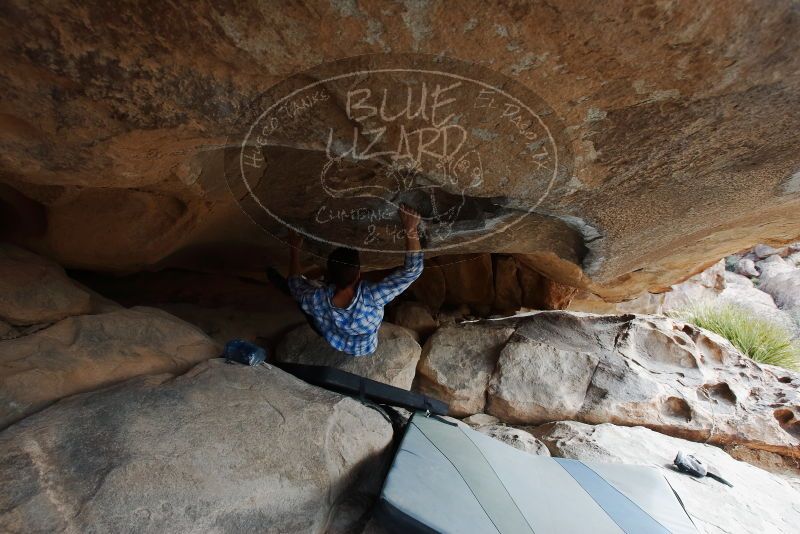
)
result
[(759, 339)]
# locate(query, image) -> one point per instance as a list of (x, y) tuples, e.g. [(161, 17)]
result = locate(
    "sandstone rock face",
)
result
[(628, 370), (507, 290), (394, 362), (650, 371), (786, 467), (223, 306), (36, 290), (700, 288), (469, 280), (519, 439), (416, 317), (223, 448), (89, 352), (537, 382), (429, 288), (646, 303), (456, 364), (758, 502), (224, 323), (542, 293), (7, 331), (635, 210)]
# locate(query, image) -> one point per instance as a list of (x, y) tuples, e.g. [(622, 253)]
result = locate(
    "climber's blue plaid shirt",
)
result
[(354, 329)]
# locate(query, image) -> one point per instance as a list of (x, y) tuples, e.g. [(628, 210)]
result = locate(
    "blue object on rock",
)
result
[(241, 351)]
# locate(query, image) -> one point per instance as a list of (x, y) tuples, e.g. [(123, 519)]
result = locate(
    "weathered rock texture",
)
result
[(519, 439), (650, 371), (223, 306), (769, 293), (700, 288), (507, 290), (456, 364), (416, 317), (394, 362), (35, 290), (675, 115), (88, 352), (758, 501), (627, 370), (222, 448)]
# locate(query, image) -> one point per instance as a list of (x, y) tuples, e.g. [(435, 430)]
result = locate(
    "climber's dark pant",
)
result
[(280, 282)]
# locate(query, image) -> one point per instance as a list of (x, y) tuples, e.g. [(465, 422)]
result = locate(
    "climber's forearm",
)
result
[(412, 243), (412, 240)]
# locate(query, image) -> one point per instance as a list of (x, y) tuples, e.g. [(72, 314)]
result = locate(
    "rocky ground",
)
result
[(113, 416)]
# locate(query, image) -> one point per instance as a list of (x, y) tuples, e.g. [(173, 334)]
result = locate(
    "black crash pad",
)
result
[(360, 387)]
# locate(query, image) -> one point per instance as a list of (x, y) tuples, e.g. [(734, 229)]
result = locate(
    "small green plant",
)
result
[(759, 339)]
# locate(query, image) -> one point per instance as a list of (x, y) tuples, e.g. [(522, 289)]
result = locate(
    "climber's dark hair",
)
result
[(344, 266)]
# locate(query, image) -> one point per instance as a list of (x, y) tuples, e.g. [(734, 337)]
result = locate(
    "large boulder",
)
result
[(626, 369), (416, 317), (784, 288), (740, 292), (34, 289), (644, 370), (758, 502), (536, 382), (88, 352), (457, 362), (762, 251), (541, 293), (394, 361), (746, 267), (222, 448), (772, 269)]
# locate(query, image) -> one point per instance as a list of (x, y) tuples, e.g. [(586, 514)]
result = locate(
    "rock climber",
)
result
[(348, 311)]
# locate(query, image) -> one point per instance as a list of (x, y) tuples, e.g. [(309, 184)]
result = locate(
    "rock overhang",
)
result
[(683, 150)]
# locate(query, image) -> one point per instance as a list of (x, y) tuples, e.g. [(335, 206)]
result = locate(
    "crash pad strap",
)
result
[(478, 474), (624, 512)]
